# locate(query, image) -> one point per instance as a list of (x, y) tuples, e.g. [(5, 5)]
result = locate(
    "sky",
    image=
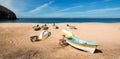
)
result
[(64, 8)]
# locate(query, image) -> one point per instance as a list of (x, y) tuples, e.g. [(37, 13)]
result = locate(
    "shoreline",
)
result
[(66, 20), (64, 23)]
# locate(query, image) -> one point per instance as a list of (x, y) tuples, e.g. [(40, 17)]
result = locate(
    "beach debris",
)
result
[(34, 38), (55, 26), (36, 28), (68, 25), (71, 27), (78, 43), (63, 42)]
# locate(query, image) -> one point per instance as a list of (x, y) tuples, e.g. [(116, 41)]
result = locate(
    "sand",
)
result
[(15, 41)]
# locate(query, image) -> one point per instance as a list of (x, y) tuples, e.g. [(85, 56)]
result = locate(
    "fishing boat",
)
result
[(67, 32), (44, 35), (37, 27), (78, 43), (81, 44)]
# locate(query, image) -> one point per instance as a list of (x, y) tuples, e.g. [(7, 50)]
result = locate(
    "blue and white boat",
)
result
[(78, 43)]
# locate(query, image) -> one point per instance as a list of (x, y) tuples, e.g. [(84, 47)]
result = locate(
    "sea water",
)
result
[(61, 20)]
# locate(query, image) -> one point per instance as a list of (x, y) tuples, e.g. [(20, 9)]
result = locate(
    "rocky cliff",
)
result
[(5, 13)]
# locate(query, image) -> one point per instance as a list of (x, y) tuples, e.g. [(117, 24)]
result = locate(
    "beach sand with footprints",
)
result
[(15, 41)]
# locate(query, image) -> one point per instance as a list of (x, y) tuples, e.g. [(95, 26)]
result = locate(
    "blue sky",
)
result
[(64, 8)]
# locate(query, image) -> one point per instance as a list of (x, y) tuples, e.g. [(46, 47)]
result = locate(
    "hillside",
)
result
[(5, 13)]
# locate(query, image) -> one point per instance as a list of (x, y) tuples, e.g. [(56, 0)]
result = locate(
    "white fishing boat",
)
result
[(83, 45), (67, 32), (78, 43), (44, 34)]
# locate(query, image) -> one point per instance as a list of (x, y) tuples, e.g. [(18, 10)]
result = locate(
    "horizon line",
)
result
[(66, 17)]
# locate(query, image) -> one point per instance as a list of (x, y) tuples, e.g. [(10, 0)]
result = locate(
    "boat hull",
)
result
[(84, 47), (78, 43), (44, 35), (67, 33)]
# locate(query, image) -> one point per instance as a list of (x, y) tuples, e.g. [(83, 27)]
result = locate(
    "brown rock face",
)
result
[(5, 13)]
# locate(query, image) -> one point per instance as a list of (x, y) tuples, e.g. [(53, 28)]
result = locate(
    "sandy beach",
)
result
[(15, 41)]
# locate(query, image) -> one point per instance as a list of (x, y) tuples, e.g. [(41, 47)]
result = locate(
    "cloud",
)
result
[(36, 11), (88, 13), (71, 8), (104, 10), (10, 5), (40, 8), (60, 13), (7, 3)]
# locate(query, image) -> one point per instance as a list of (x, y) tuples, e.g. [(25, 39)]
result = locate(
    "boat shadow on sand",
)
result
[(98, 51)]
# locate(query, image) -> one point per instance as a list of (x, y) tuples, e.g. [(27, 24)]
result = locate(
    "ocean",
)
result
[(61, 20)]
